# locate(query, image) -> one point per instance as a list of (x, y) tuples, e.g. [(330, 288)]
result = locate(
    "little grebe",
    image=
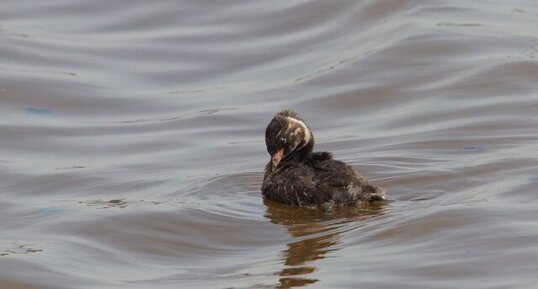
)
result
[(296, 175)]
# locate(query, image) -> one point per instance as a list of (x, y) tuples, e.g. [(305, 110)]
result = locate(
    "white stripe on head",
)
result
[(296, 131), (307, 134)]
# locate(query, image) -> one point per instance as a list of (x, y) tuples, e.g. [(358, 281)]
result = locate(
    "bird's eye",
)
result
[(283, 139)]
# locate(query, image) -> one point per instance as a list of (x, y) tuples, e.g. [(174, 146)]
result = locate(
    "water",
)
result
[(132, 150)]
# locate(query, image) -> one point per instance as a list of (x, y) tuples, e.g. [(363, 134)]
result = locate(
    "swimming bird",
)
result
[(296, 175)]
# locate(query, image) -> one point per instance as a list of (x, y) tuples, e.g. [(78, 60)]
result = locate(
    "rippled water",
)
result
[(131, 142)]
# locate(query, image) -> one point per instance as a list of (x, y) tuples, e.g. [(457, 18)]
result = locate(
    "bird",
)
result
[(298, 176)]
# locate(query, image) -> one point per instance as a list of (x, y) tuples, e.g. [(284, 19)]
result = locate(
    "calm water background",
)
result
[(131, 142)]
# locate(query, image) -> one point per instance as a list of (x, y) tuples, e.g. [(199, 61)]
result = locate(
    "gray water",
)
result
[(132, 142)]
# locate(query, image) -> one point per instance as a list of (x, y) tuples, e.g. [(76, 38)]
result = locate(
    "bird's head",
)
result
[(288, 134)]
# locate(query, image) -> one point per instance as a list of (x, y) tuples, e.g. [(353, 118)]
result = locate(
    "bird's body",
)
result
[(296, 175)]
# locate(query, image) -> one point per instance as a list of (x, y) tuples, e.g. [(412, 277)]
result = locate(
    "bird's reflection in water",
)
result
[(314, 233)]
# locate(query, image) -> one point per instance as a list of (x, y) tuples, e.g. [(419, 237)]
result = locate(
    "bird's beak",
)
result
[(277, 157)]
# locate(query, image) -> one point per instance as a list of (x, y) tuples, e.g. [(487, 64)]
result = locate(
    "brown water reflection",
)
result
[(315, 232)]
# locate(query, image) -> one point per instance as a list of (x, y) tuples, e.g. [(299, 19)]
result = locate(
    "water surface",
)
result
[(132, 150)]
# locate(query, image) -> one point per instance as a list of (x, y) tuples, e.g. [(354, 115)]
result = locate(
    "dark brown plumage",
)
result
[(296, 175)]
